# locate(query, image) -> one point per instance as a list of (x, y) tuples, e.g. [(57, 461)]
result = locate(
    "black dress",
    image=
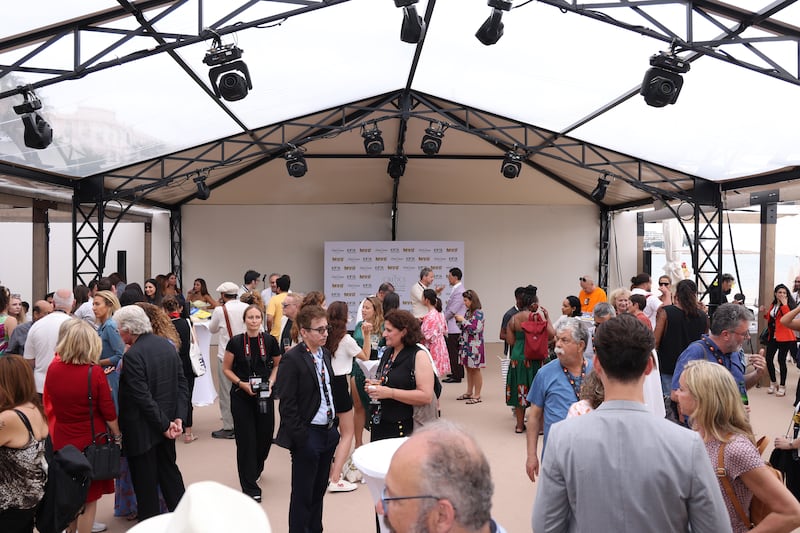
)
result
[(396, 418)]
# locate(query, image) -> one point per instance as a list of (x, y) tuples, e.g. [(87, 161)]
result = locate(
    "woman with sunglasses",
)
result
[(665, 290)]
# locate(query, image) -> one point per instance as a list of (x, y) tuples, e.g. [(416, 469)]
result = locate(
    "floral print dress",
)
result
[(434, 328), (470, 345)]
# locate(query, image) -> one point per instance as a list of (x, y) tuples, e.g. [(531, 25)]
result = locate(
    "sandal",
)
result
[(473, 401), (465, 397), (523, 430)]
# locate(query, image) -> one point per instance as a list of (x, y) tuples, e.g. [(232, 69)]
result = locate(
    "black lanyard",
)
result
[(321, 373)]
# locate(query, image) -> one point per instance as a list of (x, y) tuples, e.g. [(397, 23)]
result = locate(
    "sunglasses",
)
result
[(322, 330), (663, 283)]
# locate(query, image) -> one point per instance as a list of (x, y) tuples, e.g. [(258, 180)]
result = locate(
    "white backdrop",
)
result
[(355, 269)]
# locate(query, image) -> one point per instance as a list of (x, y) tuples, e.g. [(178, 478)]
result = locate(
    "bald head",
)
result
[(40, 309), (63, 300)]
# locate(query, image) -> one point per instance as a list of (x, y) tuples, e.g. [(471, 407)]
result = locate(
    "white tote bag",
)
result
[(195, 355)]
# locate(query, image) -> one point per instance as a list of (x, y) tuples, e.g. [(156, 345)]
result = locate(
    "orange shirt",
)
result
[(589, 300)]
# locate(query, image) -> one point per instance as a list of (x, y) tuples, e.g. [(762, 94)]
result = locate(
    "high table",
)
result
[(204, 391), (373, 460)]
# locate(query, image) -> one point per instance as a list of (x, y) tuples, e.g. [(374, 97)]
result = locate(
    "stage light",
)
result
[(413, 26), (491, 30), (512, 165), (432, 140), (38, 133), (397, 166), (662, 82), (203, 192), (599, 191), (230, 77), (373, 142), (296, 163)]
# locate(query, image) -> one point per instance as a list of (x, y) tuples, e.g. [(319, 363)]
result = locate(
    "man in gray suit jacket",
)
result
[(153, 402), (620, 468)]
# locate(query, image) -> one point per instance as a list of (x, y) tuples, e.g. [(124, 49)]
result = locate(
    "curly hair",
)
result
[(162, 325), (403, 320)]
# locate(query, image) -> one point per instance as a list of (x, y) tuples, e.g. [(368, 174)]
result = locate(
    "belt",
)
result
[(322, 426)]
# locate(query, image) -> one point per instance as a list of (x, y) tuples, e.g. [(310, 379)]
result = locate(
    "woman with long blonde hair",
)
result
[(709, 396)]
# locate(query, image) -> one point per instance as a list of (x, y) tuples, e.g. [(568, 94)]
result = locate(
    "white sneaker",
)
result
[(97, 527), (342, 486)]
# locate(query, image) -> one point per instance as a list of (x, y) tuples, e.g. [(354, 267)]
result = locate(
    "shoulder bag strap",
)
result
[(91, 411), (191, 331), (227, 321), (25, 421), (722, 474)]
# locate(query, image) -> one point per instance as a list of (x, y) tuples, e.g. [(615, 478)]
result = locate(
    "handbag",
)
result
[(768, 332), (535, 329), (103, 453), (195, 355), (759, 509)]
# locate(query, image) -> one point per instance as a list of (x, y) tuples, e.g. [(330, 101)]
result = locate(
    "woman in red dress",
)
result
[(66, 395)]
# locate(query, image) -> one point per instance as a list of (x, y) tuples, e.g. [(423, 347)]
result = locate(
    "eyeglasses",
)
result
[(385, 499), (322, 330), (663, 283), (745, 333)]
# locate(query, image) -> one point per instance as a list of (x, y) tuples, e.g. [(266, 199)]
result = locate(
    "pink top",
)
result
[(434, 328)]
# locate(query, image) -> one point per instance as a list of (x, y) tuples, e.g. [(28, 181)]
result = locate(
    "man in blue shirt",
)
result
[(723, 345), (557, 385)]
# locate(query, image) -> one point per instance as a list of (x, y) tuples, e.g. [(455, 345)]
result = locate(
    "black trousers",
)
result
[(153, 469), (253, 438), (456, 370), (311, 466)]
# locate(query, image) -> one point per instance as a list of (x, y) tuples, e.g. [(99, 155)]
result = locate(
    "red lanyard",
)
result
[(576, 387), (261, 347)]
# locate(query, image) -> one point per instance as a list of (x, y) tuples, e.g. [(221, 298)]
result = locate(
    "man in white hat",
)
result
[(227, 320)]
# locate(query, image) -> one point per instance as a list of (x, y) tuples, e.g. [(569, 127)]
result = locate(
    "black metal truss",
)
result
[(165, 42), (733, 23), (707, 247), (538, 144), (603, 247), (175, 244), (88, 256)]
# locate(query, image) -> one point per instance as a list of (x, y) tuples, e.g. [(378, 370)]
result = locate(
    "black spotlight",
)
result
[(373, 142), (38, 133), (432, 140), (413, 26), (491, 30), (512, 165), (230, 77), (662, 82), (599, 191), (203, 192), (296, 163), (397, 166)]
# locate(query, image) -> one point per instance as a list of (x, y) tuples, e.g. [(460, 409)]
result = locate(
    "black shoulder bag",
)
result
[(103, 453)]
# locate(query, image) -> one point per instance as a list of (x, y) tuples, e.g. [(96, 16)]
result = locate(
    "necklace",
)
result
[(576, 384)]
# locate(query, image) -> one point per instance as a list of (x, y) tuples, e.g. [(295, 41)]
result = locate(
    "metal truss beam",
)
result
[(603, 247), (732, 21), (540, 146), (175, 244), (707, 247), (88, 213)]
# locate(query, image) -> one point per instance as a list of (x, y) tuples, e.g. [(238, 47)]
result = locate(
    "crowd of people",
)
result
[(639, 354)]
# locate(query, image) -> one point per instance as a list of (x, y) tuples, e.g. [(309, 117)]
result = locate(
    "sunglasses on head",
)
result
[(582, 279)]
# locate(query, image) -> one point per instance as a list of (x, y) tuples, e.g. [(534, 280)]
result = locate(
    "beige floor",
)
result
[(491, 422)]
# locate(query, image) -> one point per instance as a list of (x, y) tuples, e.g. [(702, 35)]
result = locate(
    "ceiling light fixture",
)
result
[(432, 140), (38, 133), (397, 166), (512, 164), (662, 82), (599, 192), (230, 77), (296, 162), (491, 30), (203, 192), (373, 142), (413, 26)]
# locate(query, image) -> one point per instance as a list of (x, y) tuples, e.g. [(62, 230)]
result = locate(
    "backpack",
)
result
[(758, 509), (535, 329), (69, 475)]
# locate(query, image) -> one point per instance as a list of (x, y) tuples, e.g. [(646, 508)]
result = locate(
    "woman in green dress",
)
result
[(521, 371), (371, 329)]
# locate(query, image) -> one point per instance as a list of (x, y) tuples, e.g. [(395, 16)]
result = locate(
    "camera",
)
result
[(221, 54), (261, 389), (375, 416)]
